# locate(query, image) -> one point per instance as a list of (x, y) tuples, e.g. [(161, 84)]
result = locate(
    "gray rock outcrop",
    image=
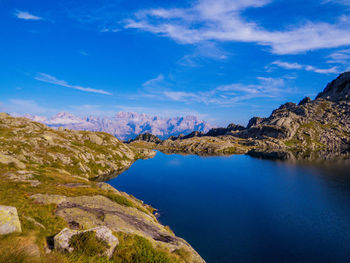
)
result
[(62, 239)]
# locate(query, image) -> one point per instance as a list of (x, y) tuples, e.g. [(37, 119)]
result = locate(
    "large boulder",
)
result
[(95, 139), (9, 221), (62, 239)]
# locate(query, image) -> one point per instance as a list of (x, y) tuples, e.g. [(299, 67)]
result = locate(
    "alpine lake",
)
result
[(243, 209)]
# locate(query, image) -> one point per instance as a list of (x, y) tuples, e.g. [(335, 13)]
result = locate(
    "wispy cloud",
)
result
[(83, 53), (154, 82), (225, 95), (202, 52), (340, 57), (297, 66), (341, 2), (26, 16), (222, 20), (53, 80)]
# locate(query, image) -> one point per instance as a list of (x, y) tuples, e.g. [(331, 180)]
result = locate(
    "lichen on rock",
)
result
[(9, 221)]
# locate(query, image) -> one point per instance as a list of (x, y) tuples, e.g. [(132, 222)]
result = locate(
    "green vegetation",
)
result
[(183, 254), (126, 202), (17, 249), (131, 249), (88, 244), (120, 200), (137, 249)]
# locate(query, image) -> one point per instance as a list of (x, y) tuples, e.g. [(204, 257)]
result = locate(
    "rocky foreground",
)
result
[(311, 129), (51, 210)]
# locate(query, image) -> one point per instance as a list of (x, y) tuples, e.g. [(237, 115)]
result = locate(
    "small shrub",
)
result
[(88, 244)]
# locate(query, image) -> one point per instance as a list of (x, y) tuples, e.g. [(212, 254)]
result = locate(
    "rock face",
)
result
[(222, 131), (338, 89), (322, 124), (127, 125), (62, 239), (147, 137), (9, 221)]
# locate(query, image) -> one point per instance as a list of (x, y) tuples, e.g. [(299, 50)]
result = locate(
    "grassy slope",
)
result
[(18, 137)]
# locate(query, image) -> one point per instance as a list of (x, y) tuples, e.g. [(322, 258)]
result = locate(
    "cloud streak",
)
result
[(53, 80), (297, 66), (222, 21), (26, 16), (340, 57)]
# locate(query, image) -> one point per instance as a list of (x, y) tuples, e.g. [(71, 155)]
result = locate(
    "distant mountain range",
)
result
[(127, 125)]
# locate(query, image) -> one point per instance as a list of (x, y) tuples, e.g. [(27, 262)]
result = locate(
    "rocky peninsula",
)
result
[(52, 209)]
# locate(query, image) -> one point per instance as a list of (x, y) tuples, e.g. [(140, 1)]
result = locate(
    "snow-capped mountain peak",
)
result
[(127, 125)]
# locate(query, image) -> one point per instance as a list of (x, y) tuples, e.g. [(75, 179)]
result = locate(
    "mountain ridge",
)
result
[(126, 125)]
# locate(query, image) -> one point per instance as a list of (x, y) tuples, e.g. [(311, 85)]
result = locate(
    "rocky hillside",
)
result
[(126, 125), (311, 128), (50, 210), (28, 144)]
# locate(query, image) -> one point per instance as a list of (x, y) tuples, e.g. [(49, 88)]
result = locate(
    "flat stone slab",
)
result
[(9, 221)]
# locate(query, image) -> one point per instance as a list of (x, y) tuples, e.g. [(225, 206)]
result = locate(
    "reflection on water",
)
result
[(241, 209)]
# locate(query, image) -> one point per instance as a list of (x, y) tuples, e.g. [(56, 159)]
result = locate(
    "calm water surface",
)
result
[(241, 209)]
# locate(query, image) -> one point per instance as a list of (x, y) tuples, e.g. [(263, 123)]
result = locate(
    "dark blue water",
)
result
[(241, 209)]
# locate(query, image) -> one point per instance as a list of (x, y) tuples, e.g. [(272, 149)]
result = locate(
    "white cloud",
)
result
[(221, 20), (53, 80), (332, 70), (291, 66), (287, 65), (26, 16)]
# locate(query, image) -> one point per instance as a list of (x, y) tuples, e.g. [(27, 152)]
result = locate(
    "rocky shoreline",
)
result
[(311, 129)]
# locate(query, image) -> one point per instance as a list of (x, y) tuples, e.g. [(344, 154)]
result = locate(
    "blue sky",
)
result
[(224, 60)]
